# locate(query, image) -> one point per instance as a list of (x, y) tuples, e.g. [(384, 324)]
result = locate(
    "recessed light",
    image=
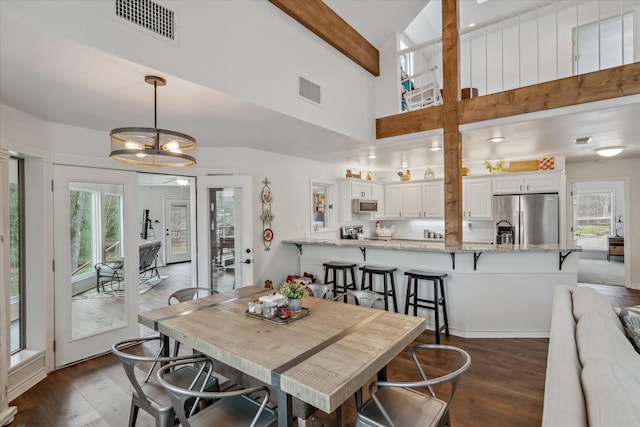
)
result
[(609, 151), (405, 165), (372, 156), (435, 148), (496, 139)]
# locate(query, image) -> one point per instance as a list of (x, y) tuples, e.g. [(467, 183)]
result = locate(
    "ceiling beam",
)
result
[(611, 83), (326, 24)]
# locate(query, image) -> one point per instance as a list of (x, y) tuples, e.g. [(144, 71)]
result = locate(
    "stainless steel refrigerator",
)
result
[(534, 217)]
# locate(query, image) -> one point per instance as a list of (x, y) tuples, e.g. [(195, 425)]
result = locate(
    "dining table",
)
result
[(322, 358)]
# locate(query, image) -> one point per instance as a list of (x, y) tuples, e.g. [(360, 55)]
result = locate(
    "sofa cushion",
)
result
[(630, 319), (598, 339), (587, 300), (611, 394), (563, 398)]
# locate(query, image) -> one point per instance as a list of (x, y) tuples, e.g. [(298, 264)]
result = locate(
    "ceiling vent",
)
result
[(309, 90), (148, 15), (581, 140)]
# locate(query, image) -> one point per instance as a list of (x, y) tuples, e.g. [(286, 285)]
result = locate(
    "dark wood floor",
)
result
[(503, 387)]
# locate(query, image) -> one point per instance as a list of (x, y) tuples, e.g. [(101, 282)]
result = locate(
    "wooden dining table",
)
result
[(322, 358)]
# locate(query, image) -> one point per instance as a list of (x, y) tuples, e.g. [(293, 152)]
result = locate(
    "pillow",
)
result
[(588, 300), (630, 319)]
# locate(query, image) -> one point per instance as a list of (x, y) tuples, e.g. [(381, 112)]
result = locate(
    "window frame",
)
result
[(22, 283)]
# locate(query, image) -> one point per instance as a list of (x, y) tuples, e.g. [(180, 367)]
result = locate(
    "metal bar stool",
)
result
[(331, 269), (388, 283), (439, 299)]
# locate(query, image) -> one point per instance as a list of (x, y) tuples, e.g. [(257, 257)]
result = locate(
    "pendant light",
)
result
[(153, 146)]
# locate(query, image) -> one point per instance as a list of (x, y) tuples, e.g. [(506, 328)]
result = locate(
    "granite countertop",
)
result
[(431, 246)]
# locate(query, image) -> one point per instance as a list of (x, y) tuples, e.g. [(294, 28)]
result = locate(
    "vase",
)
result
[(295, 304)]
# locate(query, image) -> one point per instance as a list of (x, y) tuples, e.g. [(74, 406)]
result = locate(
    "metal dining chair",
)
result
[(148, 395), (364, 298), (187, 294), (319, 290), (230, 408), (400, 404)]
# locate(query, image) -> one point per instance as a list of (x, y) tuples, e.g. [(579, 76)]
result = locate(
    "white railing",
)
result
[(556, 40)]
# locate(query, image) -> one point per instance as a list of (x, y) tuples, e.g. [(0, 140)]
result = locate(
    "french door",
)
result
[(94, 225), (225, 245)]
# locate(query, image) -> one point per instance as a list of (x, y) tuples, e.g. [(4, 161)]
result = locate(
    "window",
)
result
[(593, 219), (322, 199), (17, 293), (603, 44)]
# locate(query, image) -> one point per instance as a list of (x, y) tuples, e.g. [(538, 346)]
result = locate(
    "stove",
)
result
[(350, 232)]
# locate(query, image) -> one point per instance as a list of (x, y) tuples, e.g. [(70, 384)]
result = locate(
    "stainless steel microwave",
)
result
[(360, 205)]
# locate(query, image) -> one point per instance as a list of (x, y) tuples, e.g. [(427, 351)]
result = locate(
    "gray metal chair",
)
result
[(399, 404), (364, 298), (187, 294), (230, 408), (319, 290), (150, 396)]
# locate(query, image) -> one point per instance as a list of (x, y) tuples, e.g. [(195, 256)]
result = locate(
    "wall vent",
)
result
[(149, 15), (309, 90), (582, 140)]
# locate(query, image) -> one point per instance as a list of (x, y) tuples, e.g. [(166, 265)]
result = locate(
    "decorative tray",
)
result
[(277, 320)]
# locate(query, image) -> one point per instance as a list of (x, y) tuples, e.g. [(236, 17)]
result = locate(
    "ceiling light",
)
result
[(405, 165), (158, 147), (496, 139), (609, 151), (435, 148), (182, 181), (372, 156)]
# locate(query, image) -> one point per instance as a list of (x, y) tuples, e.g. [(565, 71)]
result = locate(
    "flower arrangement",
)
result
[(494, 168), (292, 290)]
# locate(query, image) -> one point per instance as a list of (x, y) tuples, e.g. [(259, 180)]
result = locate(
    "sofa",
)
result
[(593, 369)]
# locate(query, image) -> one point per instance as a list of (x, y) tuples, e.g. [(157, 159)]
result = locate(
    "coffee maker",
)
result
[(504, 233)]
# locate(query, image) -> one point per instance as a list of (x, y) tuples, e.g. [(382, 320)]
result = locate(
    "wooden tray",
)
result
[(523, 166), (277, 320)]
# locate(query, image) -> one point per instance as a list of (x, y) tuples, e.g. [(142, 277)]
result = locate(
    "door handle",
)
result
[(247, 261)]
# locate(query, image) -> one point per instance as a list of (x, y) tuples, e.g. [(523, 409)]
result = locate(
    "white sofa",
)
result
[(593, 370)]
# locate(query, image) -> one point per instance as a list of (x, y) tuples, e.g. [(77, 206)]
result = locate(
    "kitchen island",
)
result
[(492, 291)]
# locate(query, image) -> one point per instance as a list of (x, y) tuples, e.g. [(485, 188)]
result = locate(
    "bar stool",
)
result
[(439, 299), (334, 267), (389, 284)]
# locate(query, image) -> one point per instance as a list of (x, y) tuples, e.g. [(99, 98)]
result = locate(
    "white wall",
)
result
[(628, 170), (221, 42)]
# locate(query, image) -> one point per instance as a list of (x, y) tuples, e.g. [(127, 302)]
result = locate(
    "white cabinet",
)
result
[(541, 182), (477, 199), (433, 199), (377, 193), (403, 201), (361, 190)]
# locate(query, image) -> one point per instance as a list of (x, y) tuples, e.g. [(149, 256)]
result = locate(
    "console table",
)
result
[(616, 247)]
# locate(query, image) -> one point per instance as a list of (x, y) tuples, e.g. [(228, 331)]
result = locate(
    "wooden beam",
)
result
[(411, 122), (452, 137), (326, 24), (596, 86)]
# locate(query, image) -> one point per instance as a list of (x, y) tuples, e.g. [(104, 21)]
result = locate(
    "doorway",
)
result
[(177, 230), (598, 211)]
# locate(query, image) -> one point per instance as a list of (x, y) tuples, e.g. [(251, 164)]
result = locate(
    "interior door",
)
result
[(94, 224), (225, 257), (177, 230)]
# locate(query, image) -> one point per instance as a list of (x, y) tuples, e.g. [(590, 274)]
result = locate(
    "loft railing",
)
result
[(556, 40)]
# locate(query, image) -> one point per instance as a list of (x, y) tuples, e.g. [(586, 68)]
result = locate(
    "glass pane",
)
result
[(179, 229), (16, 233), (223, 222), (97, 275), (593, 220)]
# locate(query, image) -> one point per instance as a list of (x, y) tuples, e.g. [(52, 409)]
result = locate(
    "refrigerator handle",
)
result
[(521, 227)]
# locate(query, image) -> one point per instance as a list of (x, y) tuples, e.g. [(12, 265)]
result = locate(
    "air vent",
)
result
[(148, 15), (309, 90), (582, 140)]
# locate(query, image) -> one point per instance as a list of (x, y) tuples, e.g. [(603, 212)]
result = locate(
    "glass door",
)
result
[(225, 260), (96, 261), (177, 230)]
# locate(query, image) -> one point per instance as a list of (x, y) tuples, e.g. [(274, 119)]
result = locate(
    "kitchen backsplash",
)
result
[(473, 231)]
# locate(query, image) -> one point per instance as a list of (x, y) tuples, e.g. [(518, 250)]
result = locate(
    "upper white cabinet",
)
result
[(433, 199), (377, 193), (361, 190), (477, 198), (403, 201), (541, 182)]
